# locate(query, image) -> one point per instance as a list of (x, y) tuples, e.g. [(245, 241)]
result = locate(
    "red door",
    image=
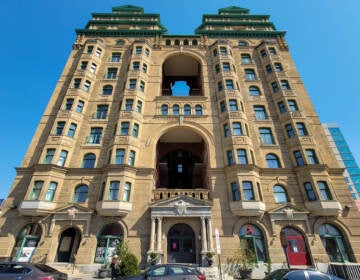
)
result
[(296, 248)]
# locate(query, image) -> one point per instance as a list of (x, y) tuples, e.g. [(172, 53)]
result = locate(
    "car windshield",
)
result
[(277, 274)]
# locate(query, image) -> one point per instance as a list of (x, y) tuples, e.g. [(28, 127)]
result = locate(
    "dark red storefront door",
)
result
[(296, 248)]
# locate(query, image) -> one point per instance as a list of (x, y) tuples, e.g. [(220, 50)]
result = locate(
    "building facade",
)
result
[(159, 139), (346, 159)]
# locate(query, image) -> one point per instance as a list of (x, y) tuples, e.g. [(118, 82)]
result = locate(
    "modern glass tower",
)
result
[(345, 157), (158, 139)]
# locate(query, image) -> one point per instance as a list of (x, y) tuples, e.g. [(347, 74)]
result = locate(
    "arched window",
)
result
[(272, 161), (194, 42), (26, 242), (242, 43), (254, 90), (120, 42), (109, 237), (81, 193), (186, 42), (280, 194), (164, 109), (177, 42), (168, 42), (334, 243), (176, 109), (187, 109), (198, 110), (107, 90), (88, 161), (252, 242)]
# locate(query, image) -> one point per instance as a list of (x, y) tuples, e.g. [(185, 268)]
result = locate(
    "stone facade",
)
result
[(120, 153)]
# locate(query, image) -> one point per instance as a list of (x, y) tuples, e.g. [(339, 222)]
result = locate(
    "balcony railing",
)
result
[(160, 194)]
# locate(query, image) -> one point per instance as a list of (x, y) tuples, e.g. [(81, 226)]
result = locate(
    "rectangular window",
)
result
[(120, 156), (87, 85), (92, 68), (142, 86), (223, 51), (237, 129), (324, 190), (248, 190), (285, 85), (298, 158), (115, 57), (275, 86), (290, 131), (302, 131), (50, 193), (62, 158), (59, 128), (226, 130), (230, 158), (101, 112), (95, 135), (233, 105), (278, 67), (282, 108), (135, 131), (222, 107), (263, 53), (250, 75), (127, 190), (124, 130), (129, 104), (220, 86), (132, 84), (217, 68), (83, 65), (260, 113), (144, 68), (72, 129), (266, 136), (246, 58), (235, 191), (139, 106), (215, 52), (272, 51), (77, 83), (311, 156), (138, 50), (49, 156), (132, 158), (114, 190), (111, 73), (136, 65), (226, 67), (69, 104), (292, 106), (90, 49), (79, 106), (229, 84), (147, 52), (35, 192), (241, 156), (310, 194), (98, 52), (268, 68)]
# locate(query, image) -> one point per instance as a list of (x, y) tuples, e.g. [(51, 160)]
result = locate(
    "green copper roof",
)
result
[(127, 20), (237, 22)]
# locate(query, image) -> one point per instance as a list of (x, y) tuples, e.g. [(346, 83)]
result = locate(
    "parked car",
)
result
[(168, 272), (299, 274), (27, 271)]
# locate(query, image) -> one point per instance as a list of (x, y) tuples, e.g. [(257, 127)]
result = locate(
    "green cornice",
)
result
[(241, 33), (129, 22), (237, 16), (181, 36), (128, 8), (127, 15), (209, 23), (234, 9), (119, 32)]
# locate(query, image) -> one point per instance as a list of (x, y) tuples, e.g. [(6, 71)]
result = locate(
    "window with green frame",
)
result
[(26, 242), (110, 236), (251, 238), (35, 192)]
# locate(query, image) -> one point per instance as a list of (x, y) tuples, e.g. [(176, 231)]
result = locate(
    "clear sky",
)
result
[(37, 35)]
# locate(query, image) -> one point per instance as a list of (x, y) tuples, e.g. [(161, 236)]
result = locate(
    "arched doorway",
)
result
[(110, 236), (296, 248), (181, 244), (68, 245), (26, 242)]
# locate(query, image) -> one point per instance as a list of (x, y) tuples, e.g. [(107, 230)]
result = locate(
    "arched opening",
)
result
[(109, 237), (68, 245), (296, 249), (185, 69), (26, 242), (252, 242), (181, 244), (181, 160), (334, 243)]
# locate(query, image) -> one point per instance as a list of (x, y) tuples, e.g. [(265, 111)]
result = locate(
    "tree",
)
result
[(128, 262)]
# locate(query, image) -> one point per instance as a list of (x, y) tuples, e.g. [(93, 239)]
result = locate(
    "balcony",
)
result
[(160, 194), (324, 207), (113, 208), (36, 207), (247, 208)]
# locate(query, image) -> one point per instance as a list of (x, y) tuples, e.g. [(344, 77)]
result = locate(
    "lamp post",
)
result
[(284, 244)]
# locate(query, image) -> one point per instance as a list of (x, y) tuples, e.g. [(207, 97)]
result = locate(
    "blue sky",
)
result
[(323, 36)]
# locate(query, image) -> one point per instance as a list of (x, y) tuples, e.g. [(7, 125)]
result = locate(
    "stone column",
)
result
[(159, 234), (209, 235), (152, 234), (203, 235)]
